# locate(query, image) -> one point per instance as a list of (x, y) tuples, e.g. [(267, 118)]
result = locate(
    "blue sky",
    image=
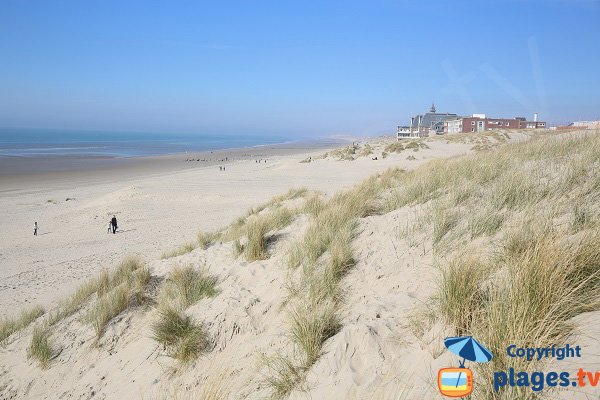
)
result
[(306, 68)]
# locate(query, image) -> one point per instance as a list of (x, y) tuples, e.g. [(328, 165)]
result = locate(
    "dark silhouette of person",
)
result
[(35, 229), (113, 222)]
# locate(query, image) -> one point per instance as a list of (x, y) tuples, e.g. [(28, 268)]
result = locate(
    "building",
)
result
[(425, 125), (480, 123), (585, 124)]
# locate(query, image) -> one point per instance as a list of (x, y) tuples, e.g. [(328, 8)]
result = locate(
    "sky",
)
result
[(297, 68)]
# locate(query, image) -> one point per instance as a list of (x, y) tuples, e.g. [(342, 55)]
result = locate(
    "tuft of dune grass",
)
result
[(99, 285), (207, 239), (530, 299), (238, 229), (179, 334), (311, 325), (8, 326), (40, 348), (179, 251), (185, 286), (114, 300), (256, 231), (324, 254), (283, 376)]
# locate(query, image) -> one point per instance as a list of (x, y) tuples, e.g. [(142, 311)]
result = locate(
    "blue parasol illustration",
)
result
[(469, 349)]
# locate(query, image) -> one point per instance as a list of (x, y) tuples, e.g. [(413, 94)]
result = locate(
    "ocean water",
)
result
[(47, 143)]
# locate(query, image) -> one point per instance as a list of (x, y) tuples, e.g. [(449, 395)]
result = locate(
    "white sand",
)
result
[(155, 213), (374, 356)]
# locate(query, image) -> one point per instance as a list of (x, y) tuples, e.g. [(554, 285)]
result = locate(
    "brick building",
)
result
[(480, 123)]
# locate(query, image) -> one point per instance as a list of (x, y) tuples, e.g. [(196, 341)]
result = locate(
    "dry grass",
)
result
[(325, 255), (312, 323), (126, 290), (239, 228), (185, 286), (284, 375), (527, 297), (207, 239), (256, 231), (100, 286), (179, 334), (398, 147), (40, 348), (545, 272), (181, 250), (8, 326)]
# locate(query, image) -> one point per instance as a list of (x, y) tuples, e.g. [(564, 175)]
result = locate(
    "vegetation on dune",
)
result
[(179, 334), (523, 216), (256, 229), (185, 286), (40, 348), (398, 147), (207, 239), (539, 200), (125, 291), (179, 251), (324, 254), (131, 272), (8, 326), (275, 206)]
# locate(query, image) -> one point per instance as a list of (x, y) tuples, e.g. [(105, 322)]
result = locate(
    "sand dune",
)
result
[(376, 354)]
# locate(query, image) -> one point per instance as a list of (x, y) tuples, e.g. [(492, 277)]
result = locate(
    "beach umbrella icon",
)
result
[(468, 348)]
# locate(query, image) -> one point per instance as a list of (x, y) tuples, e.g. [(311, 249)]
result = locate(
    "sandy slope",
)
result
[(375, 355)]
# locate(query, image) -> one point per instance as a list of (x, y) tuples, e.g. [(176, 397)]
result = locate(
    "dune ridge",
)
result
[(339, 295)]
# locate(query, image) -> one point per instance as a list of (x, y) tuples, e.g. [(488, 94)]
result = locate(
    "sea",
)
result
[(56, 143)]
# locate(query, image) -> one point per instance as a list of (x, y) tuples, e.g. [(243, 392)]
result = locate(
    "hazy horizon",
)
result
[(295, 69)]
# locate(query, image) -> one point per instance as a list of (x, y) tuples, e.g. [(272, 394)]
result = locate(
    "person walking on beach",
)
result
[(113, 222), (35, 228), (109, 226)]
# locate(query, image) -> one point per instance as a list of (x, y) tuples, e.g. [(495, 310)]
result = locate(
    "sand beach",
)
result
[(384, 343)]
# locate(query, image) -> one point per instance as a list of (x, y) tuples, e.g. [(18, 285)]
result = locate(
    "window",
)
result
[(472, 129), (472, 122)]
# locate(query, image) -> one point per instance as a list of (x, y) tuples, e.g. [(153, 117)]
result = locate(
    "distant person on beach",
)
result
[(109, 226), (113, 222), (35, 228)]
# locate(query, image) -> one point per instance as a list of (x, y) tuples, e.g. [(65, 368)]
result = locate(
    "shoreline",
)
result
[(15, 172)]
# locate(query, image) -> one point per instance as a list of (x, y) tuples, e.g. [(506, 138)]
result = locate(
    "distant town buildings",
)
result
[(446, 123), (480, 123), (428, 123), (586, 124)]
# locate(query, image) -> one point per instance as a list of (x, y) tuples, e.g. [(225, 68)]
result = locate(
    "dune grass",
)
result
[(284, 374), (527, 297), (324, 254), (99, 285), (541, 269), (8, 326), (312, 323), (40, 348), (179, 334), (125, 290), (207, 239), (179, 251), (256, 231), (275, 206), (509, 294), (203, 240), (185, 286)]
